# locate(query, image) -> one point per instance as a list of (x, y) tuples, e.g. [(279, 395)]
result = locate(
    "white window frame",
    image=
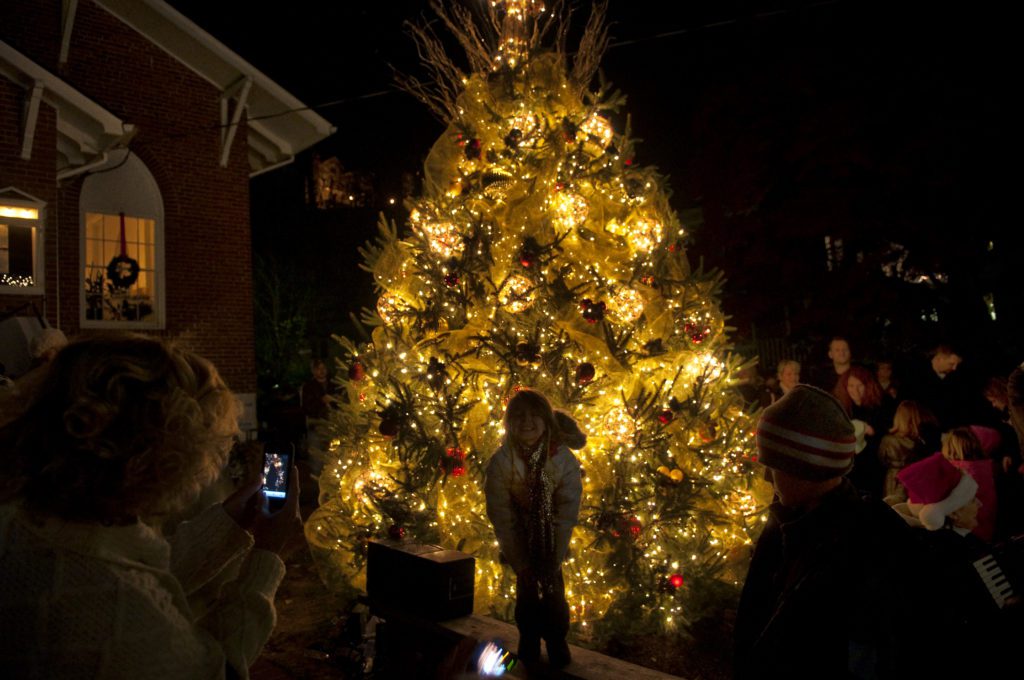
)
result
[(125, 185), (19, 199)]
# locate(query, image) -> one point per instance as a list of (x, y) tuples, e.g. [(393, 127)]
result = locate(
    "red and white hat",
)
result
[(936, 488)]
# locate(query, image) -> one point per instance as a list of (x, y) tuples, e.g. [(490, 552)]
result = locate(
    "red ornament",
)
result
[(585, 372), (666, 416), (396, 532), (635, 527), (389, 427), (451, 279), (592, 311), (455, 452), (356, 371), (676, 580), (458, 471), (697, 332)]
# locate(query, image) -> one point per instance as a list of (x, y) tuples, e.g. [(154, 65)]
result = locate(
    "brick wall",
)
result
[(35, 176), (208, 279)]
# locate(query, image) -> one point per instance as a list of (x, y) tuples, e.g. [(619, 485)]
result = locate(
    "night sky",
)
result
[(783, 122)]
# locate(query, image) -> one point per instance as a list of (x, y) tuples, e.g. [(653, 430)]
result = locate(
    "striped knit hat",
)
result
[(807, 434)]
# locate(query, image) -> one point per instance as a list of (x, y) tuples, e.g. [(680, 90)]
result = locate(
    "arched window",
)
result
[(122, 217)]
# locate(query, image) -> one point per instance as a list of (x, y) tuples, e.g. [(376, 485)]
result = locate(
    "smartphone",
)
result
[(277, 467)]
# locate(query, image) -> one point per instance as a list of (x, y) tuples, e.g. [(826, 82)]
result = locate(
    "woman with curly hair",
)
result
[(124, 431), (533, 489)]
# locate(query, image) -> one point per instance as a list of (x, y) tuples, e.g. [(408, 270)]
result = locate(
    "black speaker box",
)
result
[(422, 580)]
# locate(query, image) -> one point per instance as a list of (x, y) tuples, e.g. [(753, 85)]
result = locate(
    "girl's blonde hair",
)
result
[(559, 425), (124, 425), (909, 417), (961, 444)]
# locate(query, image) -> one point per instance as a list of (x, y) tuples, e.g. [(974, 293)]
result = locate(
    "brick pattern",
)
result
[(208, 263)]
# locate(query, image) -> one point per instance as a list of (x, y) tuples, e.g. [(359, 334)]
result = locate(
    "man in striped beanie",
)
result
[(829, 590)]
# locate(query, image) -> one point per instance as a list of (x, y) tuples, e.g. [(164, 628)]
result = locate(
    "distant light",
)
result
[(18, 212), (391, 201)]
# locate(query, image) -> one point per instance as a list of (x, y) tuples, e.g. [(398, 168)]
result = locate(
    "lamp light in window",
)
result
[(18, 212)]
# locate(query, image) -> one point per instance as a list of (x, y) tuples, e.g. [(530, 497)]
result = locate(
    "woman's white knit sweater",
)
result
[(84, 600)]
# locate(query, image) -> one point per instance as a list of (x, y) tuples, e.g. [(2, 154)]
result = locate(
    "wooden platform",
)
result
[(440, 650)]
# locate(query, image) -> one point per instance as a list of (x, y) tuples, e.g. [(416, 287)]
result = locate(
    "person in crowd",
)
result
[(821, 597), (1015, 406), (914, 435), (788, 377), (1007, 455), (996, 392), (871, 410), (981, 609), (840, 360), (316, 395), (124, 431), (936, 384), (886, 379), (755, 391), (968, 448), (533, 489)]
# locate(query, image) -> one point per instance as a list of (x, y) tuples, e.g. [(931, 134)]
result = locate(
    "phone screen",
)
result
[(276, 468)]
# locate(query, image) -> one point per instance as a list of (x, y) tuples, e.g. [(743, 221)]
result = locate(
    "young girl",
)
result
[(963, 447), (533, 488)]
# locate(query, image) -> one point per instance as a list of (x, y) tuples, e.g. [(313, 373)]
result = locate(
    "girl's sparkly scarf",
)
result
[(541, 526)]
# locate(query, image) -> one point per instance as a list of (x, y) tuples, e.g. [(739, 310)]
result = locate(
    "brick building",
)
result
[(128, 136)]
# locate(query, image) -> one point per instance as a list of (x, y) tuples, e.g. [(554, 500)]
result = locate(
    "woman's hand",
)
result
[(244, 504), (275, 532)]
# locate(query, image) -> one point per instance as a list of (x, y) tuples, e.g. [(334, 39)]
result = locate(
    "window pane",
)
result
[(18, 257), (93, 225), (131, 229), (103, 244), (112, 227)]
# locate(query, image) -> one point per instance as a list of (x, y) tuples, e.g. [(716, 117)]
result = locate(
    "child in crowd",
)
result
[(964, 448)]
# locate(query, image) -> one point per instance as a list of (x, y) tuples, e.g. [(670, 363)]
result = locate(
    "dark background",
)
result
[(778, 124)]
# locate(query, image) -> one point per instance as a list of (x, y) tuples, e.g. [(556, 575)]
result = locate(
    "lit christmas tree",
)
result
[(541, 255)]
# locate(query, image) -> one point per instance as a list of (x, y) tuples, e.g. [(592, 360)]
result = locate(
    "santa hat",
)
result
[(807, 434), (935, 488)]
